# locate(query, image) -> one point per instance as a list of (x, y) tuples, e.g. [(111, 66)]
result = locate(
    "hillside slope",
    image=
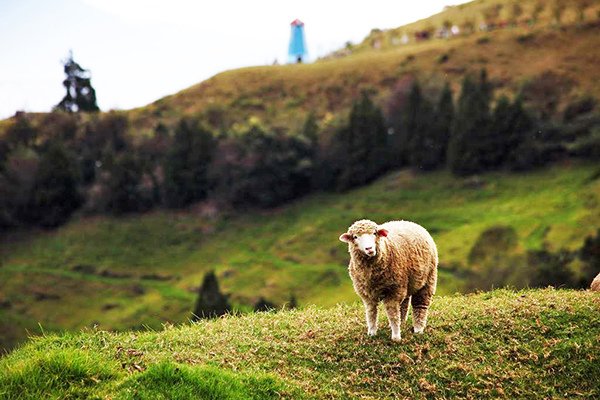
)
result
[(144, 270), (281, 96), (500, 344)]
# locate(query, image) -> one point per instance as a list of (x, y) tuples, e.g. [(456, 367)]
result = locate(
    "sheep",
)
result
[(595, 286), (396, 263)]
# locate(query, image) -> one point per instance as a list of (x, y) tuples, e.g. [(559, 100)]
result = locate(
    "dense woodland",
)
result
[(68, 162)]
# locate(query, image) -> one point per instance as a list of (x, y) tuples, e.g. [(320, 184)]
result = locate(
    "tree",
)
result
[(442, 128), (55, 194), (80, 96), (363, 145), (418, 126), (396, 118), (501, 127), (428, 128), (470, 132), (186, 165), (211, 302), (124, 193), (21, 132), (261, 169)]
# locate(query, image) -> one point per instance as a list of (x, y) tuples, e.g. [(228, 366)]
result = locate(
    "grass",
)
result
[(143, 270), (524, 344)]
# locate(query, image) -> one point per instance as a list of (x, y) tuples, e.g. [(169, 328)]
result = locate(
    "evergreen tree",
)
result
[(362, 144), (442, 127), (186, 165), (471, 127), (510, 125), (55, 194), (501, 129), (80, 95), (211, 302), (419, 129)]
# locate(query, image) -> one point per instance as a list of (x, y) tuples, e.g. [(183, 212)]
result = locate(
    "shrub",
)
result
[(578, 107)]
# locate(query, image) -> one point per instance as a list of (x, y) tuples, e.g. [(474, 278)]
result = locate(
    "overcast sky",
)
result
[(141, 50)]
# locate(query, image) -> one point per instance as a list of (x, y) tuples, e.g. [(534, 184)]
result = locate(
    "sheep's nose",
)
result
[(368, 248)]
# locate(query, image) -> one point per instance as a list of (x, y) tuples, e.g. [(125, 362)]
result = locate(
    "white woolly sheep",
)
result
[(595, 286), (396, 263)]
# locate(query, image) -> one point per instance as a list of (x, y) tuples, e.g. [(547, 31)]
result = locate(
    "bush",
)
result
[(527, 156), (55, 194), (579, 107)]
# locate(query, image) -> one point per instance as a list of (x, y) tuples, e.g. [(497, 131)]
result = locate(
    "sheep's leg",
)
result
[(371, 314), (404, 309), (420, 303), (392, 307)]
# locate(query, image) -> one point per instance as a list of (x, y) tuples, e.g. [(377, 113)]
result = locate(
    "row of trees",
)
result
[(64, 162)]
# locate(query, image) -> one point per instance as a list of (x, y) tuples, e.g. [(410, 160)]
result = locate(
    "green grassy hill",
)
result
[(144, 270), (501, 344)]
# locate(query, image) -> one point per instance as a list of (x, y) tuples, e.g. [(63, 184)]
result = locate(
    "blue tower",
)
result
[(297, 51)]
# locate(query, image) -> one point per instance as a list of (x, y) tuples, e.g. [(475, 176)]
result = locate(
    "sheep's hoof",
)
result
[(418, 331), (372, 332), (395, 338)]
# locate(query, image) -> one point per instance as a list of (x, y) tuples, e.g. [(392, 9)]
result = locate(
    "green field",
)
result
[(501, 344), (144, 270)]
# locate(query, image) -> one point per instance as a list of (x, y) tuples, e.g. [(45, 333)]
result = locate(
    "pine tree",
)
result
[(419, 129), (211, 302), (80, 95), (442, 128), (363, 144), (186, 165), (55, 195), (471, 127), (510, 125)]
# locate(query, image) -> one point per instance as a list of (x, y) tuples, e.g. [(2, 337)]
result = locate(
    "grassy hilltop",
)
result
[(541, 57), (143, 270), (500, 344)]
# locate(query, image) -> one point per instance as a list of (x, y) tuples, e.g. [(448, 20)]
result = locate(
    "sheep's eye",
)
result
[(355, 237)]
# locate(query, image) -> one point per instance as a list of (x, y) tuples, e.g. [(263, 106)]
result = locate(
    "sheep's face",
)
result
[(363, 235)]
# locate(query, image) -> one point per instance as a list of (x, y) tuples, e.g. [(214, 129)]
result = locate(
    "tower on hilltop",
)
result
[(297, 50)]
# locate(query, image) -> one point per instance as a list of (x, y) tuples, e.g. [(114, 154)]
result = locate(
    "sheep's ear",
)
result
[(382, 232), (346, 237)]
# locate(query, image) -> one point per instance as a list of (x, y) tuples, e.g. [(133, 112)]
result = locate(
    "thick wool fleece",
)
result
[(595, 286), (404, 270)]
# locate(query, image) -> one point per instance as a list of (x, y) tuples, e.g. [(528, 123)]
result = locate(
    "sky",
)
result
[(141, 50)]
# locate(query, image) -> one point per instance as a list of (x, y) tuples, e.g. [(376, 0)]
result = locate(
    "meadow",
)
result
[(499, 344), (143, 270)]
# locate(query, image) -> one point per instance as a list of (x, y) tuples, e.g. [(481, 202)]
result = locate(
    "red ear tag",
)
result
[(382, 232)]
